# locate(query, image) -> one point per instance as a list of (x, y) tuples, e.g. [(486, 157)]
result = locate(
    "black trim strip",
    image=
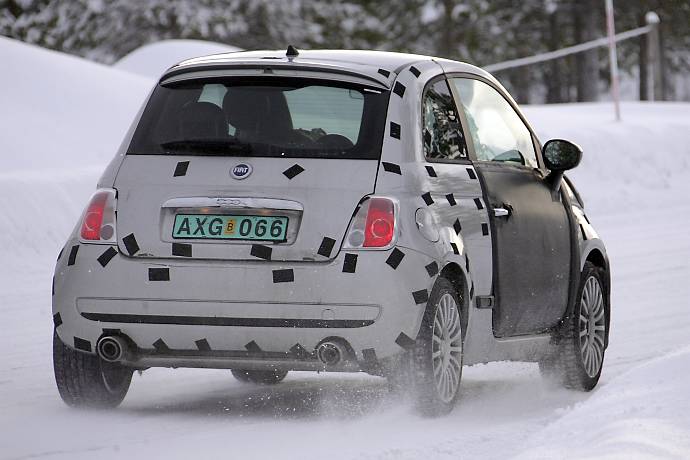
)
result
[(304, 323)]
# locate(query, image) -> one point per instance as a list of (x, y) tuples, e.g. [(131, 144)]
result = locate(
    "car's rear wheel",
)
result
[(579, 359), (85, 380), (433, 366), (259, 377)]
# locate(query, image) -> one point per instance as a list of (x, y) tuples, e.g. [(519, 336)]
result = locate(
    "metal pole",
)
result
[(653, 57), (613, 59)]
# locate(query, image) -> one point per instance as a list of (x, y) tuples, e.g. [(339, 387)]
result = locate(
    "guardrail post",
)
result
[(654, 75)]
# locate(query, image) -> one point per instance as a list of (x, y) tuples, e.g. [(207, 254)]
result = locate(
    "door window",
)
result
[(442, 134), (498, 133)]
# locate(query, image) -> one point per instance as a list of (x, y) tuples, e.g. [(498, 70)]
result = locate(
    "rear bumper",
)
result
[(188, 313)]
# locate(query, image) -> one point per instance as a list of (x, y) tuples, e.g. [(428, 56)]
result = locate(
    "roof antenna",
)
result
[(291, 53)]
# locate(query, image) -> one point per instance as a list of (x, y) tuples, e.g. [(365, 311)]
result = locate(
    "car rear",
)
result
[(242, 230)]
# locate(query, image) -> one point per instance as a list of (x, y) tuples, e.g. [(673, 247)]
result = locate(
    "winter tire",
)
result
[(85, 380), (579, 359), (259, 377), (435, 360)]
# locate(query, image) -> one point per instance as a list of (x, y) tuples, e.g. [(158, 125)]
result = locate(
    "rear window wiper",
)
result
[(221, 147)]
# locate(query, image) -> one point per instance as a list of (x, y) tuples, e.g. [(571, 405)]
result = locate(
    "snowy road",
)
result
[(635, 179)]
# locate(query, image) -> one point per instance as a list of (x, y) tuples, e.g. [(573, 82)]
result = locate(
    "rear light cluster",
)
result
[(98, 222), (373, 226)]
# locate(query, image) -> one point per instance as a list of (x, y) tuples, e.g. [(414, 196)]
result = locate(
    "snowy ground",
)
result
[(56, 135)]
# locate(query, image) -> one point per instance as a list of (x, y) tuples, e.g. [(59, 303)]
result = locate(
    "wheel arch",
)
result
[(597, 257), (454, 273)]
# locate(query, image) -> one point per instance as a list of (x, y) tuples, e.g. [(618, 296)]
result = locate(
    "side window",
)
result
[(497, 131), (442, 135)]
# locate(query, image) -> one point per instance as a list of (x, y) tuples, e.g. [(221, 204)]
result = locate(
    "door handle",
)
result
[(503, 210)]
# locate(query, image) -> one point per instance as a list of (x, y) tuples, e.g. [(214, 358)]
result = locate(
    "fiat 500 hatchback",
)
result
[(330, 211)]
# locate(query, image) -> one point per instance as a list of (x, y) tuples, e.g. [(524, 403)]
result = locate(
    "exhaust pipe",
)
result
[(112, 348), (332, 352)]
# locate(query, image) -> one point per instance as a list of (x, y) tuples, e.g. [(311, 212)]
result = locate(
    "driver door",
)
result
[(530, 226)]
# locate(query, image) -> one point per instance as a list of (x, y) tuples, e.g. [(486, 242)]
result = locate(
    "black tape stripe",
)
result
[(470, 172), (415, 71), (457, 226), (292, 171), (159, 274), (485, 229), (478, 203), (472, 290), (107, 256), (427, 199), (395, 130), (73, 255), (261, 251), (202, 345), (181, 168), (391, 168), (131, 244), (57, 319), (432, 269), (384, 72), (326, 247), (82, 344), (52, 286), (182, 249), (405, 341), (283, 276), (455, 248), (420, 296), (430, 171), (350, 263), (60, 253), (584, 235), (369, 355), (300, 323), (467, 264), (451, 199), (399, 89), (253, 347), (395, 257), (161, 346)]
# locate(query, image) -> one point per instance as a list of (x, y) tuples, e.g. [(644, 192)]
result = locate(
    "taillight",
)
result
[(98, 222), (373, 226)]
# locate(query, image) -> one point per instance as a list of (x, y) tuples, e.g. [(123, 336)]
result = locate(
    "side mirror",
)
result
[(561, 155)]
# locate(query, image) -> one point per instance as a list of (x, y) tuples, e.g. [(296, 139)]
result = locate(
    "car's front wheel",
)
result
[(85, 380), (433, 366), (259, 377), (579, 358)]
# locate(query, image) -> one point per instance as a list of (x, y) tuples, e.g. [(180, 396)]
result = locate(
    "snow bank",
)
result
[(640, 161), (643, 413), (60, 111), (153, 59)]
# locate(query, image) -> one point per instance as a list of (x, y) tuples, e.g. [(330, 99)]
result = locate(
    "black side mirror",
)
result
[(559, 156)]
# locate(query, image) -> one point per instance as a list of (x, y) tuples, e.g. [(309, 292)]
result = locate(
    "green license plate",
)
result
[(229, 227)]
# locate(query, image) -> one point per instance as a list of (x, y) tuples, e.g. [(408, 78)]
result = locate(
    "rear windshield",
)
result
[(271, 117)]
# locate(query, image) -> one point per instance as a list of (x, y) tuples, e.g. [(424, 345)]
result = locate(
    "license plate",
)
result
[(230, 227)]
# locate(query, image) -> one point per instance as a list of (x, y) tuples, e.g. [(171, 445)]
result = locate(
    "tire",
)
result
[(84, 380), (433, 366), (579, 357), (259, 377)]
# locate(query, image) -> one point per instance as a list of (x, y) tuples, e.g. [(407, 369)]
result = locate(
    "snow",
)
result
[(153, 59), (62, 121)]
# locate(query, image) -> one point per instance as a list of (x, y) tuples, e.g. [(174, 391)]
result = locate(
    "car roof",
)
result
[(376, 65)]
